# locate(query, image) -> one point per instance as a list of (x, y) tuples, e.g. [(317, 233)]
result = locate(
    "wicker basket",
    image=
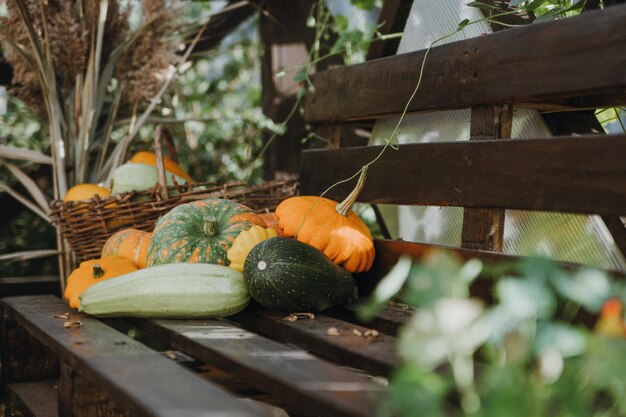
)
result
[(86, 225)]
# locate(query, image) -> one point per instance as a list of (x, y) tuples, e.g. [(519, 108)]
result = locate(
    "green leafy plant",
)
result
[(525, 353)]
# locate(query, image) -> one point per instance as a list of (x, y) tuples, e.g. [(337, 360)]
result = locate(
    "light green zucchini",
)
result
[(181, 290)]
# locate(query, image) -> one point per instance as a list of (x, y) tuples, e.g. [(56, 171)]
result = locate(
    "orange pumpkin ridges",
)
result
[(94, 271), (131, 244), (331, 227), (149, 158)]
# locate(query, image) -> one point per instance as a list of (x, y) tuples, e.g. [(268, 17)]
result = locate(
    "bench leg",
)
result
[(24, 358), (80, 398)]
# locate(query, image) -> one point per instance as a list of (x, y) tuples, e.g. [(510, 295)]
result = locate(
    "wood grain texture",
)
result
[(387, 321), (578, 174), (376, 356), (305, 382), (570, 58), (35, 399), (81, 397), (136, 378), (484, 228)]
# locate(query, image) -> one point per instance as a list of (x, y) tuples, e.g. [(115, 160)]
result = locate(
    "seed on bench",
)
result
[(332, 331), (357, 332), (68, 324), (62, 316), (298, 316)]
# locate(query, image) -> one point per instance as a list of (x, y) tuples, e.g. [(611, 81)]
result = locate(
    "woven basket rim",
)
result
[(183, 190)]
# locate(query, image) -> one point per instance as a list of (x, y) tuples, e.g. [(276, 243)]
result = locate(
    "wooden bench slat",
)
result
[(575, 174), (306, 382), (530, 64), (138, 379), (388, 321), (35, 399), (376, 356), (44, 284)]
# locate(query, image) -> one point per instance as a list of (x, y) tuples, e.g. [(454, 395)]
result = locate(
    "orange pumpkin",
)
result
[(82, 192), (149, 158), (94, 271), (331, 227), (271, 222), (131, 244)]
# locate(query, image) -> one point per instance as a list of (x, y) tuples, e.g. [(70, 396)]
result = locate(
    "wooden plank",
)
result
[(45, 284), (578, 174), (569, 58), (392, 19), (307, 383), (388, 321), (79, 396), (139, 380), (24, 357), (376, 356), (389, 251), (484, 228), (35, 399), (616, 227)]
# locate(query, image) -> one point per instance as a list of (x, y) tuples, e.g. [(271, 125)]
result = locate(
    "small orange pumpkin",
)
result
[(82, 192), (331, 227), (131, 244), (149, 158), (94, 271)]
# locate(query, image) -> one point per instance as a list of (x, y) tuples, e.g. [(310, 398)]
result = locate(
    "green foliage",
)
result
[(524, 354)]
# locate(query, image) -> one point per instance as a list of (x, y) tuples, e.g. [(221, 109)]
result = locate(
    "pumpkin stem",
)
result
[(344, 207), (97, 271), (210, 227)]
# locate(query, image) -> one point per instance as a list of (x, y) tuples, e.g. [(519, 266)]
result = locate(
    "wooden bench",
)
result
[(58, 362)]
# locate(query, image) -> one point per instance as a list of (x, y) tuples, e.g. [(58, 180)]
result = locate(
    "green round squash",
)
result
[(287, 275), (199, 232)]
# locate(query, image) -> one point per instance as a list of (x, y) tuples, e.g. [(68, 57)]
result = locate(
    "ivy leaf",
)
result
[(364, 4), (340, 24), (301, 75), (462, 24)]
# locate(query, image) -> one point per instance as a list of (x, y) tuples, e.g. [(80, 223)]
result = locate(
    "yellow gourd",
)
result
[(93, 271), (243, 244)]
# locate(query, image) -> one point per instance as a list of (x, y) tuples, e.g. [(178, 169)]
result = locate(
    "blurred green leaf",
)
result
[(568, 340), (588, 287), (417, 393), (526, 297), (387, 288)]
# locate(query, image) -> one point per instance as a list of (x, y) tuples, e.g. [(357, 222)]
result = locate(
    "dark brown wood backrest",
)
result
[(560, 65)]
